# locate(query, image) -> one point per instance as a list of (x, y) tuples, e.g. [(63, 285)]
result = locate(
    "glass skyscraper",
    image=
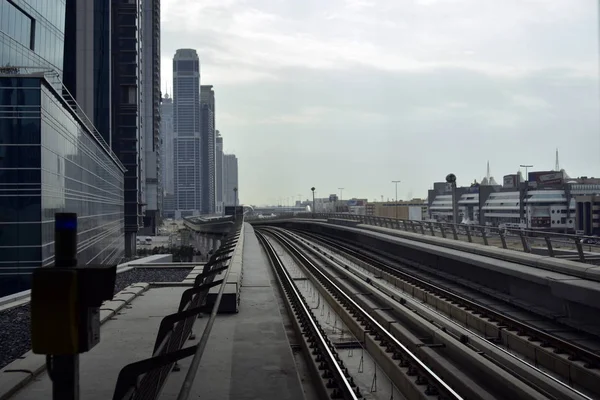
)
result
[(52, 159), (186, 125)]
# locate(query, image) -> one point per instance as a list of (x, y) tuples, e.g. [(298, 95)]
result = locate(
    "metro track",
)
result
[(408, 373), (469, 365), (573, 364), (335, 380)]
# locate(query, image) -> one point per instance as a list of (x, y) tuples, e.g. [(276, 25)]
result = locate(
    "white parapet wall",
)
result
[(20, 298), (230, 302)]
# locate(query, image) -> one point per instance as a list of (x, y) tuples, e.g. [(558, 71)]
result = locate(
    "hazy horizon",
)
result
[(358, 93)]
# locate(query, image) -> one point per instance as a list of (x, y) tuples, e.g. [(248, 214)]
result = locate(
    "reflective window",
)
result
[(67, 171), (15, 23)]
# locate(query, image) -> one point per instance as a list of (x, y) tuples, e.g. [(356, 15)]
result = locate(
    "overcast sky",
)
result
[(356, 93)]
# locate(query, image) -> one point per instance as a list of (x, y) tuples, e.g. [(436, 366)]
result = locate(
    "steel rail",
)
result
[(435, 380), (324, 343), (591, 359)]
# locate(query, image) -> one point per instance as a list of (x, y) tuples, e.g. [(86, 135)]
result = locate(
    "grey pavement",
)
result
[(248, 355)]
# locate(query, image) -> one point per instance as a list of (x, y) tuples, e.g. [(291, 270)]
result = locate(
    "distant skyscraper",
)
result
[(151, 113), (230, 179), (127, 123), (207, 96), (186, 125), (208, 151), (219, 172), (167, 137)]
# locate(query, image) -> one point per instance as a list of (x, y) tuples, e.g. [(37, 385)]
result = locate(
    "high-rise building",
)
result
[(52, 159), (87, 64), (167, 151), (230, 180), (207, 96), (127, 125), (219, 209), (208, 151), (208, 145), (186, 126), (151, 114)]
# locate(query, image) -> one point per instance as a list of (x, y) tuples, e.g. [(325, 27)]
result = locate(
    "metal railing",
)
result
[(144, 380), (559, 245)]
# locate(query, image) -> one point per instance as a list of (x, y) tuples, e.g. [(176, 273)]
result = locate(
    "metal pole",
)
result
[(313, 193), (235, 203), (65, 368), (396, 204)]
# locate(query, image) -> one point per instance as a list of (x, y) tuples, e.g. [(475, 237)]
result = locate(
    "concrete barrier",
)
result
[(20, 298), (564, 290), (230, 302)]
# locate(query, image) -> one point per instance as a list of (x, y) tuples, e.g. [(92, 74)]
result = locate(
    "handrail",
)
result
[(184, 393), (145, 379), (465, 232)]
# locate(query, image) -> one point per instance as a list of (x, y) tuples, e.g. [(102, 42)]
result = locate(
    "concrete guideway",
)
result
[(501, 339), (364, 291), (556, 290)]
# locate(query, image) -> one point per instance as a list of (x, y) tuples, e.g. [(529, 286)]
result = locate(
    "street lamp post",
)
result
[(396, 204), (313, 194), (526, 210), (235, 202)]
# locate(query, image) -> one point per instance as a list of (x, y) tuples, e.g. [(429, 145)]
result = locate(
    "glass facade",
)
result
[(50, 163), (32, 33)]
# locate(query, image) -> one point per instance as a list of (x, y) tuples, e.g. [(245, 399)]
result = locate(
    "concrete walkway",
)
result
[(248, 355)]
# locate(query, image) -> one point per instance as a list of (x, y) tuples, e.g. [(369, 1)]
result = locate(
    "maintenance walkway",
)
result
[(248, 355)]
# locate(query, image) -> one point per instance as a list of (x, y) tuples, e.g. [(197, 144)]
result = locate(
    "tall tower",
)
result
[(556, 163), (87, 61), (151, 113), (186, 127), (127, 123), (208, 142), (219, 169), (230, 179), (167, 151)]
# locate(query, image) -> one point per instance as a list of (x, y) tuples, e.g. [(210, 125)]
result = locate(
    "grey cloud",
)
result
[(316, 93)]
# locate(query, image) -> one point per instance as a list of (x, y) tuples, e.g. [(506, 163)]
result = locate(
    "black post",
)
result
[(65, 368), (313, 192)]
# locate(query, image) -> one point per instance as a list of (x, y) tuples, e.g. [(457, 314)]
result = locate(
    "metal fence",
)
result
[(143, 380), (565, 246)]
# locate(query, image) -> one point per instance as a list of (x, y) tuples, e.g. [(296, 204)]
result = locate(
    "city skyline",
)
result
[(455, 89)]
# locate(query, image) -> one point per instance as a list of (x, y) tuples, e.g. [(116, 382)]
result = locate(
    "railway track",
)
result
[(563, 358), (469, 364), (409, 373), (328, 368)]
